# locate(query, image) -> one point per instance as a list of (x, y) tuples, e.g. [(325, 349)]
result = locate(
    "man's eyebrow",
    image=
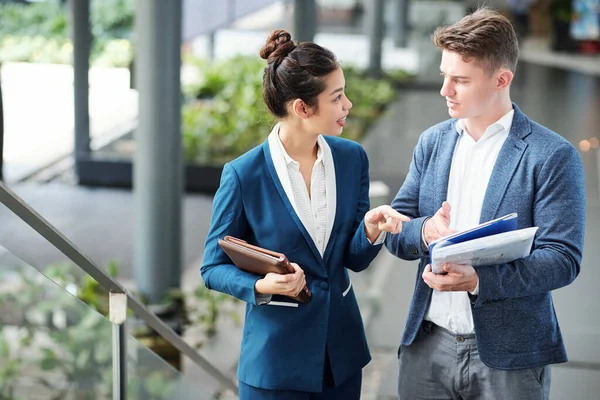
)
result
[(455, 76)]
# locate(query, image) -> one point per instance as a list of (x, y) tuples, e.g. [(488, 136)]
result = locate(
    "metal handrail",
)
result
[(32, 218)]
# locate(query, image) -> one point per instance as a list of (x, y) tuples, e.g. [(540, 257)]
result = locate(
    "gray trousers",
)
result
[(440, 365)]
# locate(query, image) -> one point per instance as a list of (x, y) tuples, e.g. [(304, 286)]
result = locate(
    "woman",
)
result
[(303, 194)]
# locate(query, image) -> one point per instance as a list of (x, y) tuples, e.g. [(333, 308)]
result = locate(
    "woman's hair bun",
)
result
[(279, 44)]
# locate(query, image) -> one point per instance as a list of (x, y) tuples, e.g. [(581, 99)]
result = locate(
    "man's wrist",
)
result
[(475, 290), (424, 244)]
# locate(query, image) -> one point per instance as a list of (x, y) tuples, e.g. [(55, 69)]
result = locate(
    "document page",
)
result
[(490, 250)]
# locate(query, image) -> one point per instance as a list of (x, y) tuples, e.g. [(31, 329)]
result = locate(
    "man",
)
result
[(486, 332)]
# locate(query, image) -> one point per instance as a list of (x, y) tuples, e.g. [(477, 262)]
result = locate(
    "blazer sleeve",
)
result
[(407, 244), (228, 218), (360, 252), (559, 212)]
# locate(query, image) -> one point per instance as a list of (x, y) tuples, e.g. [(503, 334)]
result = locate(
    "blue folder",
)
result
[(503, 224)]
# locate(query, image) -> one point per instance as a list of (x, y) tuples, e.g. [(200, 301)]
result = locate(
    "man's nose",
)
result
[(446, 90)]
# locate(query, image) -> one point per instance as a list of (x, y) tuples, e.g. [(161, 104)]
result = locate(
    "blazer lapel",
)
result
[(339, 203), (506, 164), (287, 203), (445, 152)]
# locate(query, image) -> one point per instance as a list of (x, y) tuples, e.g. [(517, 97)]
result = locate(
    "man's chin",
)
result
[(454, 113)]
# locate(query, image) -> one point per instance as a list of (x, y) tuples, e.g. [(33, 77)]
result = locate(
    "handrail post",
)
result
[(118, 317)]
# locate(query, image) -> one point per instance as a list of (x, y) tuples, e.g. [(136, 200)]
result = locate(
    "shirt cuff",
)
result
[(380, 239), (262, 299), (476, 291), (424, 245)]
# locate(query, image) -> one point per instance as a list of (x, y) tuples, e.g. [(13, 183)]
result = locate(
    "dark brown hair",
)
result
[(485, 35), (294, 71)]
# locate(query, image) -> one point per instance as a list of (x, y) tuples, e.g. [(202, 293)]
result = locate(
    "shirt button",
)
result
[(460, 339), (324, 285)]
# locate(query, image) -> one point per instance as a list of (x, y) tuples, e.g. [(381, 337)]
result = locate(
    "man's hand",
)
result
[(383, 219), (284, 284), (459, 278), (438, 225)]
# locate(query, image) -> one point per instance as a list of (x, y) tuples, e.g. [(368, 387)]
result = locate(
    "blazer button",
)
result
[(324, 285)]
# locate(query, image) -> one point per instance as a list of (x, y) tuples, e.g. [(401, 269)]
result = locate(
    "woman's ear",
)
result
[(301, 109)]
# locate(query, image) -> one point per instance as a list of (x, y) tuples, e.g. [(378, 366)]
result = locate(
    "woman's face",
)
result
[(332, 106)]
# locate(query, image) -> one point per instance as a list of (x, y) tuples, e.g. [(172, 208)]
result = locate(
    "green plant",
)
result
[(69, 339), (225, 115), (10, 368), (112, 19), (48, 19), (210, 306), (41, 32), (73, 342)]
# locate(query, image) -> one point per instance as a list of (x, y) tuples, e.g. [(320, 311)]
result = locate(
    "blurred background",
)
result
[(116, 118)]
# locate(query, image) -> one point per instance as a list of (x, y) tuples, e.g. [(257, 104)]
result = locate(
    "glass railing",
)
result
[(53, 345)]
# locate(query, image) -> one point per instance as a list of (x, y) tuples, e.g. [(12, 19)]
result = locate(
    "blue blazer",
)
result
[(283, 346), (539, 175)]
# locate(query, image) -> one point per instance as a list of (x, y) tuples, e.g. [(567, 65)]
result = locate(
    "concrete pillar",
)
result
[(400, 25), (158, 167), (82, 41), (376, 29), (305, 20)]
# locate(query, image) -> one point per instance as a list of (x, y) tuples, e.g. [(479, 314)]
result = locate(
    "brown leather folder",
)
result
[(259, 261)]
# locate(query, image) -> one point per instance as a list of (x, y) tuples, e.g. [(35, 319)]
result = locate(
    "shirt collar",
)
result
[(288, 159), (505, 123)]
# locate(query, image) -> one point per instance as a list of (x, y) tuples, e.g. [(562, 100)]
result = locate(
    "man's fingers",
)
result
[(446, 209), (454, 268)]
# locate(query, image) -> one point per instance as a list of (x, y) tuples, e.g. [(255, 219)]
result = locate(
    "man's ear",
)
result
[(505, 77), (301, 109)]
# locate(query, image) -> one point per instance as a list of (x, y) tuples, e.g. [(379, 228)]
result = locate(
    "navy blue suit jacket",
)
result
[(539, 175), (283, 347)]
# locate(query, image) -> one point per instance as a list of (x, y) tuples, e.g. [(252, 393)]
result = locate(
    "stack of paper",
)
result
[(494, 242)]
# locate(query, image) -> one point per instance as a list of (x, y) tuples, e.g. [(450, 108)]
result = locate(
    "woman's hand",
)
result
[(383, 219), (285, 284)]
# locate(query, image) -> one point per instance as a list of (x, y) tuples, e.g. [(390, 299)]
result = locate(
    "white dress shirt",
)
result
[(472, 166), (317, 209)]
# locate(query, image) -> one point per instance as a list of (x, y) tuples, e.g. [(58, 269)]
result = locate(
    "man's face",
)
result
[(469, 91)]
